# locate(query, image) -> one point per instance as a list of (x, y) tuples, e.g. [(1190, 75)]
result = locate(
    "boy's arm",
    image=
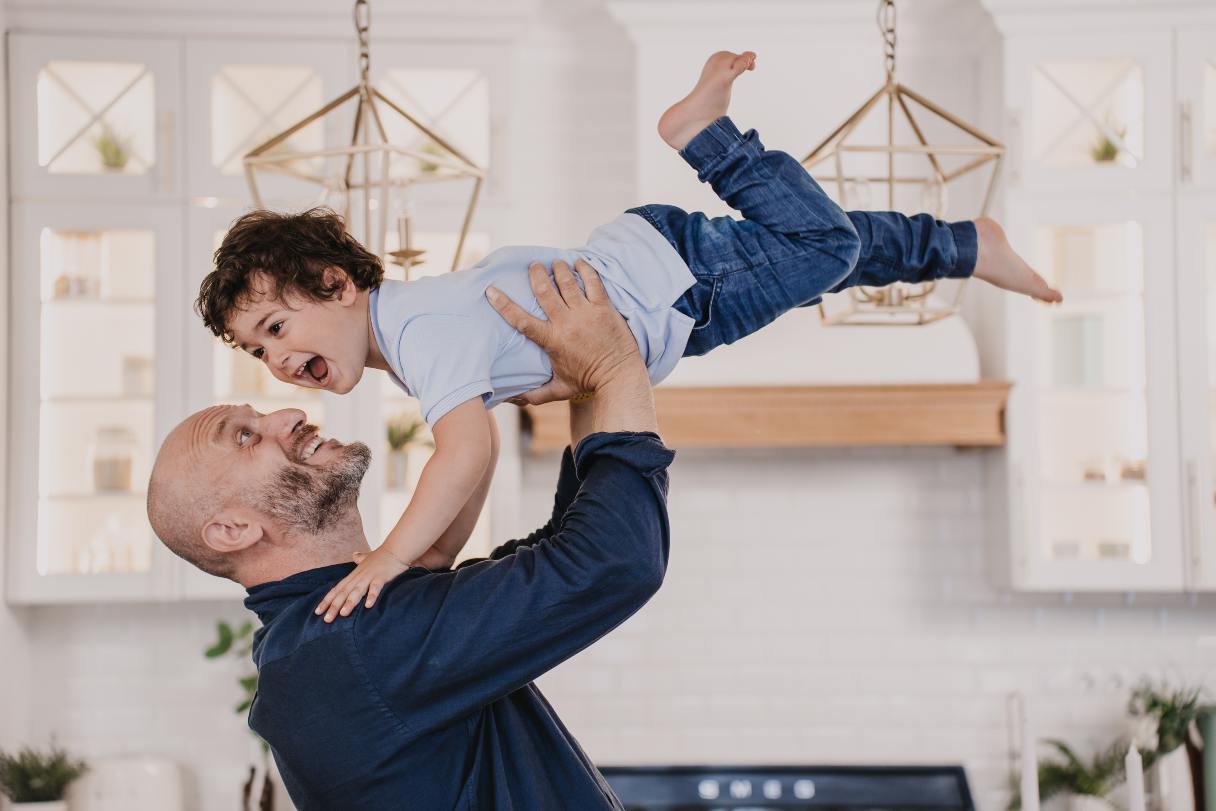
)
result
[(567, 485), (461, 458), (444, 551)]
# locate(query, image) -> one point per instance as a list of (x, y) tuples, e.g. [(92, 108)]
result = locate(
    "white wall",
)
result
[(821, 606)]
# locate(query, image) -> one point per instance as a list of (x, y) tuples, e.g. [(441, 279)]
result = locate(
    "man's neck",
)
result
[(375, 358), (292, 554)]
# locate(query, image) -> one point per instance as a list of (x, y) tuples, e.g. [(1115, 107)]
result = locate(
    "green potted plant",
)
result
[(1105, 149), (237, 643), (402, 431), (113, 150), (36, 781), (1085, 785), (1171, 712)]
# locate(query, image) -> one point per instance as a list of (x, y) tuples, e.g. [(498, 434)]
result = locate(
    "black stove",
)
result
[(765, 788)]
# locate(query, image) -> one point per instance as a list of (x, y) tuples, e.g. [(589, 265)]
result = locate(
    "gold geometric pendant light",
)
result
[(368, 179), (902, 172)]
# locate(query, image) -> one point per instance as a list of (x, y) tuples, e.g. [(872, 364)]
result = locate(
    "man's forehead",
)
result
[(202, 429)]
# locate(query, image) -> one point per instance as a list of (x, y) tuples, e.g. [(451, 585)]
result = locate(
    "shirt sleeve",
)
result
[(567, 488), (442, 645), (447, 360)]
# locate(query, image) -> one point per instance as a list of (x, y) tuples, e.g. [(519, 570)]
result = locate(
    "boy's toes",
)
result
[(742, 62)]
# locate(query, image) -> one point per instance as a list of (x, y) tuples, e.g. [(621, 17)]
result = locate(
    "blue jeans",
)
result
[(793, 245)]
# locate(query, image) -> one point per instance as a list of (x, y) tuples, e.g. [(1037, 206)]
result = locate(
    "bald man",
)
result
[(426, 701)]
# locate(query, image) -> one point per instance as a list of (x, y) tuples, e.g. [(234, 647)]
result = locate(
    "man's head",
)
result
[(291, 290), (255, 497)]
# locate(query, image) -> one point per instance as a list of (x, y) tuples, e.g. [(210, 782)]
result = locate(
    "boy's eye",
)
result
[(276, 327), (243, 436), (257, 353)]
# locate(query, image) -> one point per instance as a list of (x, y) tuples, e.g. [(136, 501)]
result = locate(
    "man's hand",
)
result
[(585, 337)]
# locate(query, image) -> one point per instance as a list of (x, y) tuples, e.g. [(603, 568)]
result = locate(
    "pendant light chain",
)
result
[(886, 27), (363, 17)]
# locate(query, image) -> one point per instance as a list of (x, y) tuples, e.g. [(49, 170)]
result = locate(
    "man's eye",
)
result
[(276, 327), (243, 436)]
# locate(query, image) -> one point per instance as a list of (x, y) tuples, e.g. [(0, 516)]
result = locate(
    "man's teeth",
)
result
[(311, 448)]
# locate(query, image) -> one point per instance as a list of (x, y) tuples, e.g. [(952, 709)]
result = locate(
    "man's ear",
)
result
[(348, 292), (232, 531)]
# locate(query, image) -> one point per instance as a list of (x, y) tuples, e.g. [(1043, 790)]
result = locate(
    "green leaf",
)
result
[(224, 642), (244, 705), (250, 682), (246, 630)]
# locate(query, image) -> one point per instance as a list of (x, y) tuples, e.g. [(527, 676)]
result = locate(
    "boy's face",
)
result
[(315, 344)]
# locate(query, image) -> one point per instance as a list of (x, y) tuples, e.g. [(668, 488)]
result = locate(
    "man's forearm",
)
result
[(624, 401)]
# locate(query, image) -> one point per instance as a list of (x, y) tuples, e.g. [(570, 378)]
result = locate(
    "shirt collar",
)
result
[(268, 599)]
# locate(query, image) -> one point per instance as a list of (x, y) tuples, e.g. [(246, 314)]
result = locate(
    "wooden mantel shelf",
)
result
[(963, 415)]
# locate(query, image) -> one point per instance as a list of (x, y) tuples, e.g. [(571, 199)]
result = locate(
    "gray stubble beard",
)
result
[(311, 500)]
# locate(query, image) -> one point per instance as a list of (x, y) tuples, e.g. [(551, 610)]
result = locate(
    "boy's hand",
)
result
[(374, 569)]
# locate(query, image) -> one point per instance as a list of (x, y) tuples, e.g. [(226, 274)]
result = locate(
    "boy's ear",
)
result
[(348, 292), (232, 530)]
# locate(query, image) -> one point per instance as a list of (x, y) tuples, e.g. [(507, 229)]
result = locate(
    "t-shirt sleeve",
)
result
[(446, 360)]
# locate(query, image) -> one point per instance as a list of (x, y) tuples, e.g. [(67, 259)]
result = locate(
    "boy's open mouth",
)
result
[(315, 371)]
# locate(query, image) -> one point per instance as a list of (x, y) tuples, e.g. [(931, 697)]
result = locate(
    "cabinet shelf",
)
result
[(962, 415), (57, 303)]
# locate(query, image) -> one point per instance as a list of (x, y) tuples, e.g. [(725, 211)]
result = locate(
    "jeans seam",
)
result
[(709, 308)]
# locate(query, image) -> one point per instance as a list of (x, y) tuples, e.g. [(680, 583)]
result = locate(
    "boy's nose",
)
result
[(281, 363)]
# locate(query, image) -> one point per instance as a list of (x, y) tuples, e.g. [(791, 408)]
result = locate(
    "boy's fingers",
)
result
[(372, 594), (567, 285), (545, 292), (524, 322), (592, 284)]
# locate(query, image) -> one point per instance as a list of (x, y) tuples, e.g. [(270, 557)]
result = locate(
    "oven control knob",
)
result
[(740, 789), (708, 789), (772, 789), (804, 789)]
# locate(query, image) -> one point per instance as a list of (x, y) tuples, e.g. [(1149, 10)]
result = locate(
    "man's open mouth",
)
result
[(314, 371), (311, 445)]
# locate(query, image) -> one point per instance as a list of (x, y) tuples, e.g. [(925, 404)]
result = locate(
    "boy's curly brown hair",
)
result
[(291, 252)]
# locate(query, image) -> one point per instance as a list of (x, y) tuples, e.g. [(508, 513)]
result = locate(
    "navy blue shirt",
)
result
[(425, 701)]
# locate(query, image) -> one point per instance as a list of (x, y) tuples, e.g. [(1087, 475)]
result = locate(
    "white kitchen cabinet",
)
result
[(1090, 111), (100, 376), (1197, 367), (1107, 475), (106, 268), (95, 118), (248, 91), (1093, 454), (1196, 115)]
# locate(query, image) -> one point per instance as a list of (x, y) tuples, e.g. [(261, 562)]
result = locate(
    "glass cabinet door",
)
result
[(98, 388), (94, 118), (1097, 475), (1090, 112), (1197, 108), (244, 93), (1197, 342)]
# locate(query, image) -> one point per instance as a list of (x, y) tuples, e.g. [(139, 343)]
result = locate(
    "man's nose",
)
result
[(284, 422)]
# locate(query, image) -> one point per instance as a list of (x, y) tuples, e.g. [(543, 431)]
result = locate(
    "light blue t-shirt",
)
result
[(446, 344)]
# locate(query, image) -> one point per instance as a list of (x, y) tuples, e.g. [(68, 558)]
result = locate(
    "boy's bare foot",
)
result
[(708, 101), (998, 264)]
